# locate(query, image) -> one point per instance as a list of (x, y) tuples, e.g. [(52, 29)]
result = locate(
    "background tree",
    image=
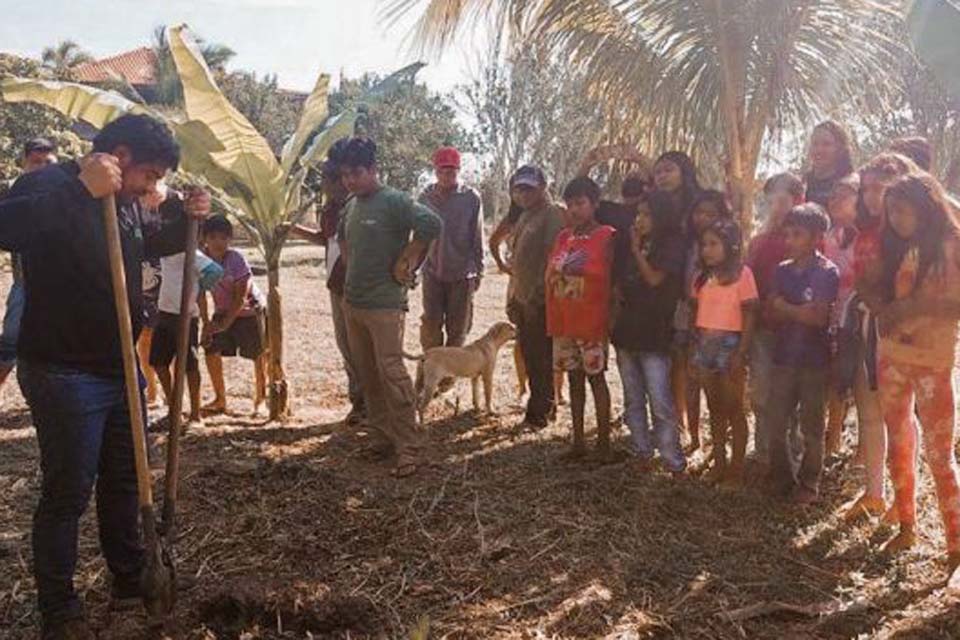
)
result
[(529, 108), (407, 127), (271, 110), (168, 88), (706, 74), (62, 58)]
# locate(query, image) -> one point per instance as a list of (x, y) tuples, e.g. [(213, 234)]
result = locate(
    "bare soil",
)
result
[(292, 531)]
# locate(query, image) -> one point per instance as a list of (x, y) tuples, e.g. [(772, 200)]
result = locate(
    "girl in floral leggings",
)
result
[(918, 327)]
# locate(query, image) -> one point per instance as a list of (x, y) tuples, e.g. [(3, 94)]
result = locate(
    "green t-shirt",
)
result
[(376, 228)]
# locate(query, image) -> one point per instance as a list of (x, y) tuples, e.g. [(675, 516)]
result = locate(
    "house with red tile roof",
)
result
[(135, 67)]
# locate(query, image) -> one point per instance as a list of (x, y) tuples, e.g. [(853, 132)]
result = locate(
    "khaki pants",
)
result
[(376, 348)]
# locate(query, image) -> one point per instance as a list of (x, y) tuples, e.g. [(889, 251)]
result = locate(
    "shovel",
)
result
[(187, 298), (157, 582)]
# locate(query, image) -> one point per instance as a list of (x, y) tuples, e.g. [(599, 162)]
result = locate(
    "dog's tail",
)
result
[(419, 358)]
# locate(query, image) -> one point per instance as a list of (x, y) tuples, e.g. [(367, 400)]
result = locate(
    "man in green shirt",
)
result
[(536, 229), (381, 259)]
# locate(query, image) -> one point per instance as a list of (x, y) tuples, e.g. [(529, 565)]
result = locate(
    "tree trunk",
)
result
[(277, 399)]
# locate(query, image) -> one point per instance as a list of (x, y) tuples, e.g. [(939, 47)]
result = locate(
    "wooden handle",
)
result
[(187, 300), (128, 349)]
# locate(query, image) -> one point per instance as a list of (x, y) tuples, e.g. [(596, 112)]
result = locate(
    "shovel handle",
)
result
[(130, 372), (187, 300)]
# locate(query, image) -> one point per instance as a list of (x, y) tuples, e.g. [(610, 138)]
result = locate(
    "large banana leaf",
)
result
[(935, 28), (315, 111), (244, 152), (93, 106), (98, 107)]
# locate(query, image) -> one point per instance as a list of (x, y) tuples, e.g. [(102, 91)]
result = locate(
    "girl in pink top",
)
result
[(725, 295)]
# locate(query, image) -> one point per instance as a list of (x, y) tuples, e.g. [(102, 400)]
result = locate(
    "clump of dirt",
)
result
[(241, 607)]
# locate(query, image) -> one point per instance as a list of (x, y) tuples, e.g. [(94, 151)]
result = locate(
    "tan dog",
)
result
[(475, 361)]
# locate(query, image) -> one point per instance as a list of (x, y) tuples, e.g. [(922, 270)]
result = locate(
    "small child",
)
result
[(804, 290), (650, 284), (578, 292), (708, 207), (918, 328), (838, 247), (163, 346), (725, 295), (237, 324), (782, 192)]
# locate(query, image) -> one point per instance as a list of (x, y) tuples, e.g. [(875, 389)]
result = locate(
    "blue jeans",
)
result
[(11, 323), (646, 376), (83, 429)]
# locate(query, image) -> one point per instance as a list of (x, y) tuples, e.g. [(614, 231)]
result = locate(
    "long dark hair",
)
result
[(665, 224), (887, 166), (844, 141), (729, 271), (717, 198), (936, 222), (690, 185)]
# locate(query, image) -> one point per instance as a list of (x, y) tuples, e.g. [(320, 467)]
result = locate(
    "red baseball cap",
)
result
[(446, 157)]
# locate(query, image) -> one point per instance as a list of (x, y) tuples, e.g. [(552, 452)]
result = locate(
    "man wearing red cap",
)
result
[(454, 264)]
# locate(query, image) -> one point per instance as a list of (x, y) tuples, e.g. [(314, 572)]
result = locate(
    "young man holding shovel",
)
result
[(69, 354)]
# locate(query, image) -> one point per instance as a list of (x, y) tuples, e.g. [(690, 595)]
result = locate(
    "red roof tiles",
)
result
[(135, 66)]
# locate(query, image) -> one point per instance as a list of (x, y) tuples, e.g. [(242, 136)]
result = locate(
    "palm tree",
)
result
[(61, 59), (715, 77)]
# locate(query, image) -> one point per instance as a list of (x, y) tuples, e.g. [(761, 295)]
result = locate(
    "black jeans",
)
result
[(805, 388), (83, 429), (537, 348)]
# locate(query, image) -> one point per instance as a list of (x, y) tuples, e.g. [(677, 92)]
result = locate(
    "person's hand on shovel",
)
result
[(197, 203), (100, 173)]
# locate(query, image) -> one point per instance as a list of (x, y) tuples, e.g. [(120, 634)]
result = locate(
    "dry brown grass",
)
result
[(293, 533)]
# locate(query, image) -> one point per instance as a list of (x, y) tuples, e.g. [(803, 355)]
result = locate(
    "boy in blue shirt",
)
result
[(804, 290)]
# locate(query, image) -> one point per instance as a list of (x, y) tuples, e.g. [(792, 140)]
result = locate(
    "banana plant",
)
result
[(221, 148)]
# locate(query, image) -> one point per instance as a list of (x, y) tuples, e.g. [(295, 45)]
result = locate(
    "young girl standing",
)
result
[(918, 328), (838, 245), (725, 295), (651, 284), (707, 208), (875, 178), (675, 177)]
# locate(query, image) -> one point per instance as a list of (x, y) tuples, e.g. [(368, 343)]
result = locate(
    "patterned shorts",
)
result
[(570, 354)]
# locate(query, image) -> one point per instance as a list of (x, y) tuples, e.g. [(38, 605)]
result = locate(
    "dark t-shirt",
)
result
[(818, 189), (645, 320), (800, 345)]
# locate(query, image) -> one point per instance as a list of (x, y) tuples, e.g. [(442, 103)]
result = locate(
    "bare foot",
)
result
[(901, 542), (214, 408), (891, 517), (863, 507), (576, 453), (716, 472)]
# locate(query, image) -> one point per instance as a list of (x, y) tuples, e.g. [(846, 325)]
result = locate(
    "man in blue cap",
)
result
[(536, 229)]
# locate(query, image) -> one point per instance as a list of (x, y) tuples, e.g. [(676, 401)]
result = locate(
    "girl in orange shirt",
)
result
[(725, 294)]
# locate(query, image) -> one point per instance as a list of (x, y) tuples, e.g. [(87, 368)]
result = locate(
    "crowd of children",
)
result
[(850, 292)]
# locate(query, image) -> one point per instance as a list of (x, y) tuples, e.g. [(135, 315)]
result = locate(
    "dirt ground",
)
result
[(291, 531)]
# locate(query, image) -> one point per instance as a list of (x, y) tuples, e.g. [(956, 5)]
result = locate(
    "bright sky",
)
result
[(296, 39)]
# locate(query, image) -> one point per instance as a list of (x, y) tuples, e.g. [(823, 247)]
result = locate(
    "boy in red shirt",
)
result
[(578, 285)]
